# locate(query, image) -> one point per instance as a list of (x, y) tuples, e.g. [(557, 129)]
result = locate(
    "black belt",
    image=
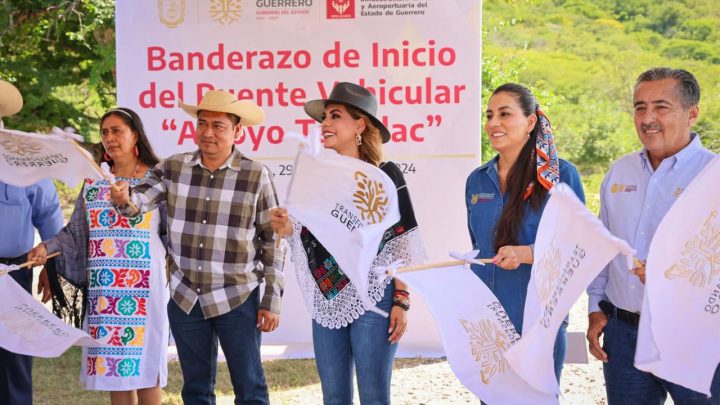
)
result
[(633, 318), (12, 260)]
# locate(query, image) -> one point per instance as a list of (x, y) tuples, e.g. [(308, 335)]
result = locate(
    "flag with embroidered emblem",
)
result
[(347, 204), (26, 158), (572, 246), (27, 327), (476, 333), (679, 326)]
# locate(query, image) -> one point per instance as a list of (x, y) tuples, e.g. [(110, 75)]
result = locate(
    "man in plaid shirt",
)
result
[(221, 248)]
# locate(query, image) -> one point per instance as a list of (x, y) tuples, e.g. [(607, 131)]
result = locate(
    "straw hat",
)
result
[(223, 101), (11, 100)]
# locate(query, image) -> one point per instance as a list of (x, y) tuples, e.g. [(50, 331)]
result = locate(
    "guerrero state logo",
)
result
[(487, 345), (20, 146), (225, 11), (370, 198), (700, 262), (548, 274)]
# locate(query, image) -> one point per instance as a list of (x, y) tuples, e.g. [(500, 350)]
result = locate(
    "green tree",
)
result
[(701, 29), (495, 72), (61, 55)]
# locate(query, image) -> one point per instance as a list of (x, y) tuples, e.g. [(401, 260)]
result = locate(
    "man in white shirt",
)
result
[(636, 193)]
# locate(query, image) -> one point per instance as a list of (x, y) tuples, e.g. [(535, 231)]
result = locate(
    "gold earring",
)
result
[(358, 139)]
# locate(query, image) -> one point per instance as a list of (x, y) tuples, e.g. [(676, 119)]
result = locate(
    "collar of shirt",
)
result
[(677, 160), (490, 164), (232, 162), (491, 170)]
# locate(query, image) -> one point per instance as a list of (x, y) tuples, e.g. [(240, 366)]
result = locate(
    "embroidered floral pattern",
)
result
[(119, 268)]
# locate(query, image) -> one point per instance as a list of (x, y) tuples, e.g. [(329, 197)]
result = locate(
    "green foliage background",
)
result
[(61, 55), (580, 57)]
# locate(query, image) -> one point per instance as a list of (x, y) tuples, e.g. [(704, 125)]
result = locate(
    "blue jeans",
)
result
[(625, 384), (197, 338), (365, 343), (560, 349), (16, 369)]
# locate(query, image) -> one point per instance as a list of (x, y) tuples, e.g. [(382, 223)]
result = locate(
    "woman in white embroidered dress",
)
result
[(121, 264), (344, 332)]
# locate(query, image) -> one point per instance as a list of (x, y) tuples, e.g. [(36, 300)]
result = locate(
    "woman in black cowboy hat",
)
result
[(344, 332)]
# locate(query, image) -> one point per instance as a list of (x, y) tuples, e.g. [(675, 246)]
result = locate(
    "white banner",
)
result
[(476, 333), (349, 214), (571, 248), (26, 158), (678, 338), (27, 327), (420, 58)]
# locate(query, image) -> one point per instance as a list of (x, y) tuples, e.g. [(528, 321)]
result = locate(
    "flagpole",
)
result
[(29, 263), (436, 265)]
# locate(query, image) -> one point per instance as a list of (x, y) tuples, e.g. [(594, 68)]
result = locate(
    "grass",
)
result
[(55, 381)]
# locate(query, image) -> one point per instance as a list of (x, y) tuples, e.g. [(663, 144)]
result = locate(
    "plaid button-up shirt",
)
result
[(220, 240)]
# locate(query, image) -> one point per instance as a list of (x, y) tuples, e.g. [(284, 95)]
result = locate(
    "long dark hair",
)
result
[(523, 174), (132, 120)]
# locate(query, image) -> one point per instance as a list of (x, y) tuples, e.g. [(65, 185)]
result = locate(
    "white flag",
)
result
[(476, 333), (27, 327), (26, 158), (571, 248), (348, 205), (679, 332)]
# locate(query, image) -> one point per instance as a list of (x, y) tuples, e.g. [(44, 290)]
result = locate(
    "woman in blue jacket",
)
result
[(506, 196)]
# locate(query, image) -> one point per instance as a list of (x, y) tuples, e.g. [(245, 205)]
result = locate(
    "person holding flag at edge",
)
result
[(22, 209), (636, 194)]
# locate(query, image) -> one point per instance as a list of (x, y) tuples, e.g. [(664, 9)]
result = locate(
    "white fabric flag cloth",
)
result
[(679, 332), (476, 333), (571, 248), (27, 327), (348, 205), (26, 158)]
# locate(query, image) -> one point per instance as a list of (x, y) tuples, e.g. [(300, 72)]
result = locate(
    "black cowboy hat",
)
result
[(353, 95)]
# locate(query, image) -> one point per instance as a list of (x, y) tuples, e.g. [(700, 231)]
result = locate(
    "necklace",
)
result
[(137, 165)]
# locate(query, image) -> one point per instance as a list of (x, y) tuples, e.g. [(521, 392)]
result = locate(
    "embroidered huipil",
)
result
[(485, 203), (126, 295)]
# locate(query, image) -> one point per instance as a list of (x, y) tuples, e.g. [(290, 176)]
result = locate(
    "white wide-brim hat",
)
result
[(11, 100), (223, 101)]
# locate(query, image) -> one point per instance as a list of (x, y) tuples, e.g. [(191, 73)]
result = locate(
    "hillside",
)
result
[(581, 58)]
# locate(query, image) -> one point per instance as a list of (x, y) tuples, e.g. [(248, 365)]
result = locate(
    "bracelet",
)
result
[(403, 303), (401, 293)]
